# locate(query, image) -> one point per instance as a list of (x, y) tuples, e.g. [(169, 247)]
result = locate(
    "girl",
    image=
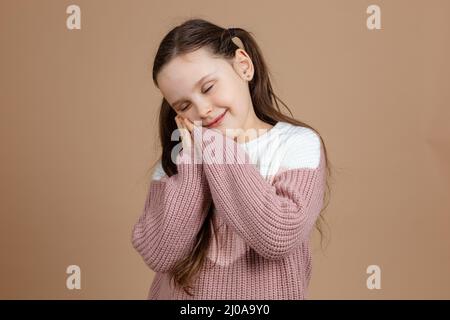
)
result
[(261, 208)]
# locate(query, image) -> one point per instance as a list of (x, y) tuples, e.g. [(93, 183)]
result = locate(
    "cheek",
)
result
[(189, 114), (229, 98), (223, 97)]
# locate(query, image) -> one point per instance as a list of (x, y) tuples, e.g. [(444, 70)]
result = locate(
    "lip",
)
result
[(217, 120)]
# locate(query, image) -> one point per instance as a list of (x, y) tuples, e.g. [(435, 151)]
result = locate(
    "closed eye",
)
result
[(203, 92), (208, 89)]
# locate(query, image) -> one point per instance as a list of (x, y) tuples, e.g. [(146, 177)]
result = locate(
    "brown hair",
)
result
[(190, 36)]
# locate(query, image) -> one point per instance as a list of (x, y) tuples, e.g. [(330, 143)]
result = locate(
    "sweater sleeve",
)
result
[(272, 218), (174, 211)]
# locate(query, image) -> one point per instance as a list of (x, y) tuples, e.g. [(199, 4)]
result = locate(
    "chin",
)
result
[(229, 133)]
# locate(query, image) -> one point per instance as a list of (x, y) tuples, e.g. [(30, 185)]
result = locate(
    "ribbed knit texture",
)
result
[(265, 206)]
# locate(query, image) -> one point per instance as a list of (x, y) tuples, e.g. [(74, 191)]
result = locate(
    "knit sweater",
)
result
[(265, 206)]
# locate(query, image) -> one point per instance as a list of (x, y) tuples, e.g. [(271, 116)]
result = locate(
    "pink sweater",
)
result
[(265, 206)]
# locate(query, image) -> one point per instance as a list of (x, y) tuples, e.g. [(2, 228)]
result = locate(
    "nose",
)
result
[(204, 110)]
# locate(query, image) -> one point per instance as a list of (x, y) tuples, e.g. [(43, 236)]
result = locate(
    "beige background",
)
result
[(78, 133)]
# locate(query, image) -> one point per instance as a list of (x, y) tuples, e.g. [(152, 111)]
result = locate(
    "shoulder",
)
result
[(302, 147), (158, 171)]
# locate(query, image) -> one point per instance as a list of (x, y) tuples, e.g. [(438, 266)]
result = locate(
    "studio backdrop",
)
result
[(79, 116)]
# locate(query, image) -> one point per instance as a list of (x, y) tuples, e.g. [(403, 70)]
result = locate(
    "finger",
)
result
[(180, 123), (188, 123), (184, 132), (180, 126)]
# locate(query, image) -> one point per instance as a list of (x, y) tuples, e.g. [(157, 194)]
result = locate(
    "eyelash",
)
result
[(203, 92)]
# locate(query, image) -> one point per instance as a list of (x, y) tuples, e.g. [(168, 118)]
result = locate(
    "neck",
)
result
[(254, 127)]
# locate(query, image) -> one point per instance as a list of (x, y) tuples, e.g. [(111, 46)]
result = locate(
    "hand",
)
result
[(188, 124), (186, 137), (187, 128)]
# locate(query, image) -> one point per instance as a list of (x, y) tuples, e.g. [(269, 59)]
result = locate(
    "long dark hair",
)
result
[(189, 36)]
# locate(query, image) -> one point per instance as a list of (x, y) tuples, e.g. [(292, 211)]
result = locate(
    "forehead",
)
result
[(185, 70)]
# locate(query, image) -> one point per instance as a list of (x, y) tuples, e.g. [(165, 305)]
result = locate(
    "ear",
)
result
[(243, 64)]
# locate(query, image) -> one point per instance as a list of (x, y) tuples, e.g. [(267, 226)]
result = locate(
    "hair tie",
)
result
[(232, 32), (234, 38)]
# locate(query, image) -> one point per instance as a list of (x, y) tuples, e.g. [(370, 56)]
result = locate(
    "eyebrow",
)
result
[(196, 84)]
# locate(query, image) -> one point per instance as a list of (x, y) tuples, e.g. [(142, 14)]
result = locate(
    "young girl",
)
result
[(261, 208)]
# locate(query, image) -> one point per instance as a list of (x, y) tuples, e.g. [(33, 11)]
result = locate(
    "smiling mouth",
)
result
[(216, 120)]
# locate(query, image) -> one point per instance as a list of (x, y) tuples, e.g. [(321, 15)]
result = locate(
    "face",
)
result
[(201, 88)]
